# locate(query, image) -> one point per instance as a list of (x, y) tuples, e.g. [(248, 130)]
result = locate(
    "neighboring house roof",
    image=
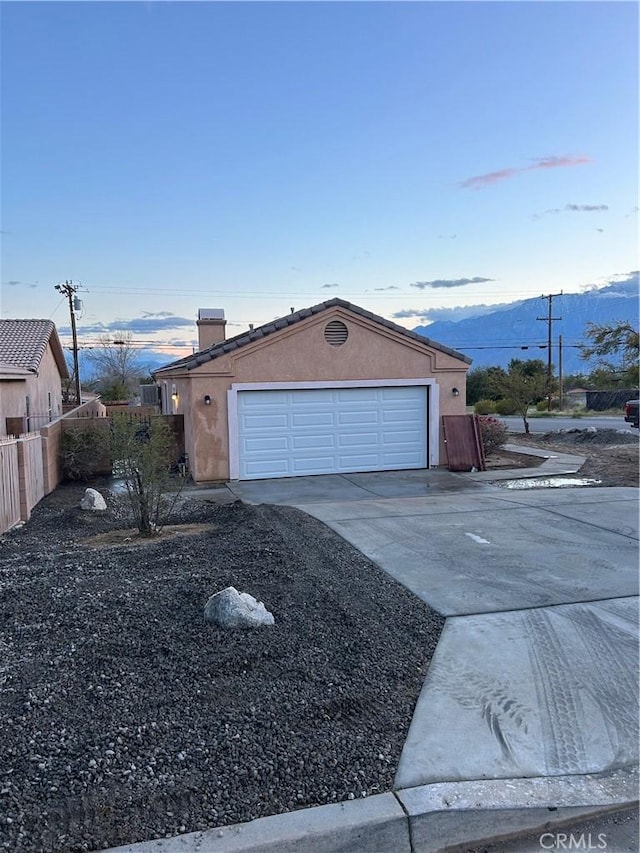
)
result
[(24, 342), (231, 344), (10, 371)]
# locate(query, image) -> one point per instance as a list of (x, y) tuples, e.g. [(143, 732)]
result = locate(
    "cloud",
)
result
[(620, 284), (450, 282), (586, 207), (462, 312), (574, 208), (145, 325), (447, 236), (479, 181), (390, 287), (14, 283), (146, 314), (324, 286)]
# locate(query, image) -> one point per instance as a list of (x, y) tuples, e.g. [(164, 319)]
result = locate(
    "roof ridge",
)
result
[(247, 337), (23, 343)]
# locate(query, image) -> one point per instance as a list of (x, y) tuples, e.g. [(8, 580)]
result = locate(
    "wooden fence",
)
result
[(21, 478), (9, 484), (30, 465)]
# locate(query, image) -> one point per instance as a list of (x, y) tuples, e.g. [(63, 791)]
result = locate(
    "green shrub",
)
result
[(493, 432), (505, 407), (485, 407), (143, 454), (83, 452), (543, 405)]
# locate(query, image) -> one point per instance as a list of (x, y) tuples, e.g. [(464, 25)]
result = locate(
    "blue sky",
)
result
[(414, 158)]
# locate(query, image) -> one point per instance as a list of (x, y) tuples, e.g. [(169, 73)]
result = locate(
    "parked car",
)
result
[(631, 413)]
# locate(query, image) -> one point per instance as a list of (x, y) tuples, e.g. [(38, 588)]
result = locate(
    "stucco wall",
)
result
[(301, 354), (13, 395)]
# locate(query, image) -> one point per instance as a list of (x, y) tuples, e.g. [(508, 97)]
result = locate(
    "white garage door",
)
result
[(293, 433)]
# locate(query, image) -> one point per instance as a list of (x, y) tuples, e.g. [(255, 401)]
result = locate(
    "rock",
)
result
[(93, 501), (232, 609)]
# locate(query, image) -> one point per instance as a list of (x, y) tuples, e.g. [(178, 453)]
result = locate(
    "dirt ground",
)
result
[(611, 456)]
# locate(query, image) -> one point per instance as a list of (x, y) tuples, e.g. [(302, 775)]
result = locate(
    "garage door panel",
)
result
[(317, 431), (312, 465), (266, 469), (393, 461), (312, 442), (315, 419), (306, 398), (266, 445), (354, 396), (397, 416), (262, 399), (404, 437), (365, 417), (262, 422), (398, 392), (361, 439), (359, 461)]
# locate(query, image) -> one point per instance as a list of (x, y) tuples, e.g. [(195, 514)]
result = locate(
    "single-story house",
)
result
[(32, 367), (328, 389)]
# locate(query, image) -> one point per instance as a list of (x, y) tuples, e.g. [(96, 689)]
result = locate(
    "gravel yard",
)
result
[(125, 716)]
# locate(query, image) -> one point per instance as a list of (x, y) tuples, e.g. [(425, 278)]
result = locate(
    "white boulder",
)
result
[(93, 501), (232, 609)]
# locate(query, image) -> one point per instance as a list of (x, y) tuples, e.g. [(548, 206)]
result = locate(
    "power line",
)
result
[(269, 294)]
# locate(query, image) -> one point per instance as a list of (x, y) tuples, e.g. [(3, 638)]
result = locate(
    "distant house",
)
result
[(32, 367), (328, 389)]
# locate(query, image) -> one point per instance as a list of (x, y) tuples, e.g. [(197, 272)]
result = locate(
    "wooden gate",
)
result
[(463, 443)]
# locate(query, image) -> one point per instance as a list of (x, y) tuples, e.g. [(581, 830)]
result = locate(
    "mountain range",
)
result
[(515, 330), (495, 336)]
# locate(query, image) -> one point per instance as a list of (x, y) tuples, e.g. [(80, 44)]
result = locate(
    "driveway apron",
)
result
[(536, 670)]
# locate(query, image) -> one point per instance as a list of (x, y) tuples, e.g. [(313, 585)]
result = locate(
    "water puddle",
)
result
[(116, 486), (548, 483)]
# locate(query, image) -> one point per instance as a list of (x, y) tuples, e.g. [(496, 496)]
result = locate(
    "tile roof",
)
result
[(24, 342), (231, 344)]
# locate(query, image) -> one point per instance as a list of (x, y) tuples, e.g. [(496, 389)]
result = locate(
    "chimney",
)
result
[(210, 325)]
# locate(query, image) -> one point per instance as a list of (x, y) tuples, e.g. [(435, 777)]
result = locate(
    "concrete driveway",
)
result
[(535, 674)]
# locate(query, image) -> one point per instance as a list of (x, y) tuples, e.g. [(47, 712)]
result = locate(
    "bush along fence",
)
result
[(31, 465)]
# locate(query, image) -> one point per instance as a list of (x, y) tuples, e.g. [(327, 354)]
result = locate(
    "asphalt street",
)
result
[(538, 425)]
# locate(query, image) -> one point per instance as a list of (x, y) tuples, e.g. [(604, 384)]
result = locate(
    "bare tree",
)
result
[(118, 365)]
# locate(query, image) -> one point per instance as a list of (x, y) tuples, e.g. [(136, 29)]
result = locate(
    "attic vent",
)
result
[(336, 333)]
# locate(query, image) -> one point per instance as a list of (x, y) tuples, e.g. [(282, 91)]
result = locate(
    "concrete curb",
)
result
[(428, 819), (554, 464)]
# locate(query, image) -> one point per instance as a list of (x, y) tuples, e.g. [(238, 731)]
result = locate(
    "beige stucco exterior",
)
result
[(300, 353), (43, 390)]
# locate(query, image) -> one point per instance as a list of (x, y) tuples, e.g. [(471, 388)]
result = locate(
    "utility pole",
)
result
[(68, 289), (549, 320), (560, 378)]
